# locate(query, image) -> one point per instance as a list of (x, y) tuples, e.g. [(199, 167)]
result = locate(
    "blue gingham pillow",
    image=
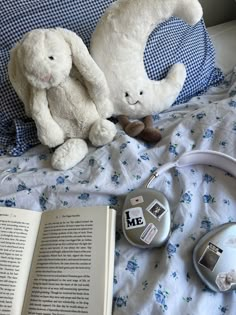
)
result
[(189, 45), (175, 41)]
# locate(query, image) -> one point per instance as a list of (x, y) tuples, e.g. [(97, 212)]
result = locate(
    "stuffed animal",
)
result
[(141, 129), (64, 91), (117, 46)]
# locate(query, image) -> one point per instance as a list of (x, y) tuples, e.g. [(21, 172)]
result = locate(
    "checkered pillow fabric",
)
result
[(189, 45), (175, 41)]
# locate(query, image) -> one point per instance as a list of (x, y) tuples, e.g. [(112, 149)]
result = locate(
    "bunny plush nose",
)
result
[(46, 78)]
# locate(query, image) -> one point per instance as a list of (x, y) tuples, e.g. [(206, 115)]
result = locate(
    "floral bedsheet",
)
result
[(153, 281)]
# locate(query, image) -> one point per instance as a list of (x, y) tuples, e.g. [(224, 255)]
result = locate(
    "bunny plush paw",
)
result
[(102, 132), (52, 137), (105, 108), (69, 154)]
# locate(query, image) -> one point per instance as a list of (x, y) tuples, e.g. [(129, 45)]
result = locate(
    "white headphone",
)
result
[(146, 222)]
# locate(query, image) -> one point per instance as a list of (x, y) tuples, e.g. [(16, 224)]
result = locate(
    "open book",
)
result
[(57, 262)]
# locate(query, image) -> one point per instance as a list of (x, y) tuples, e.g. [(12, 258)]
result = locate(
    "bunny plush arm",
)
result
[(49, 132), (93, 77)]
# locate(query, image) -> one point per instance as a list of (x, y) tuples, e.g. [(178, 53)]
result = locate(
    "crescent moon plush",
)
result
[(117, 46)]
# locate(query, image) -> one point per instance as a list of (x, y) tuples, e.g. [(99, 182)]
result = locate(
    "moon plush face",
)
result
[(137, 98), (133, 96)]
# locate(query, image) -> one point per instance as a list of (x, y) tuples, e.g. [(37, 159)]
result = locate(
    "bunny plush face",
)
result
[(45, 58)]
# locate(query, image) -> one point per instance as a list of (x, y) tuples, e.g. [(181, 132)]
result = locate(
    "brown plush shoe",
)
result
[(133, 128), (150, 134)]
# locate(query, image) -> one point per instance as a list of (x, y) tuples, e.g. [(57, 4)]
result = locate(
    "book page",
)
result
[(68, 273), (18, 233), (110, 263)]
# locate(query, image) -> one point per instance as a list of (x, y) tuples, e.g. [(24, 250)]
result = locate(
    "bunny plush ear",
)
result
[(92, 76), (17, 78)]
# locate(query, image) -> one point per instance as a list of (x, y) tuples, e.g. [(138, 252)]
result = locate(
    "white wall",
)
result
[(218, 11)]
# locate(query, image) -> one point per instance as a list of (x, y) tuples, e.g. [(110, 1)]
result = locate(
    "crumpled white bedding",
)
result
[(154, 281)]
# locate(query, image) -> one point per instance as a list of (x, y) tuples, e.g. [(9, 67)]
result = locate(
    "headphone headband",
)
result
[(208, 157)]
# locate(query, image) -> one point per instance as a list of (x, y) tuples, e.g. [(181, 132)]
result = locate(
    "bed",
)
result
[(152, 281)]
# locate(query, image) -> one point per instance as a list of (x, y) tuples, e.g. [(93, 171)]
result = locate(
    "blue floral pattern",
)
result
[(157, 281), (132, 265), (161, 297)]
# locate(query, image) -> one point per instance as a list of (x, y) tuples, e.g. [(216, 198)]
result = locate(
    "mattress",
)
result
[(160, 280)]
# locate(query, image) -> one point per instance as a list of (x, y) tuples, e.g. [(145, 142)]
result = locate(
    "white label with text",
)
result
[(149, 233)]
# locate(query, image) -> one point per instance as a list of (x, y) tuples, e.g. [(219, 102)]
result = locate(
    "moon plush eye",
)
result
[(51, 57), (141, 93), (126, 94)]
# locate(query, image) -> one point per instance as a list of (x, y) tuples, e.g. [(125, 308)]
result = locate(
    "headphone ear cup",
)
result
[(146, 218), (214, 258)]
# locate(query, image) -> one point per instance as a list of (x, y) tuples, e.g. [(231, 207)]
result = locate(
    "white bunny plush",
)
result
[(64, 91)]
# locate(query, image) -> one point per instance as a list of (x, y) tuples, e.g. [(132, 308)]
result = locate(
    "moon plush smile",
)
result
[(132, 104)]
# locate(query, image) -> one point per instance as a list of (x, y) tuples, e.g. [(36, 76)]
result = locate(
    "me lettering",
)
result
[(133, 222)]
